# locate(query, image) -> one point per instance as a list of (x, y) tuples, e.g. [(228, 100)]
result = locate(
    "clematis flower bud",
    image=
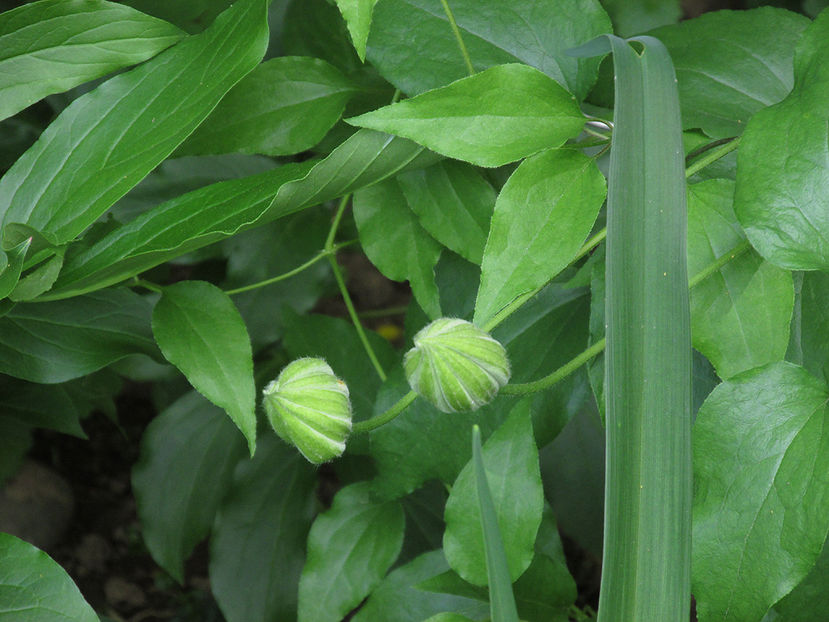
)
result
[(308, 406), (456, 365)]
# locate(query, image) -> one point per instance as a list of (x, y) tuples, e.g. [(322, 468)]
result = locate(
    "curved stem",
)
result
[(712, 155), (146, 285), (458, 38), (384, 418), (286, 275), (560, 374)]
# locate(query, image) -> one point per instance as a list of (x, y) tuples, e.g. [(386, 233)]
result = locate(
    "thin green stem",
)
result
[(153, 287), (287, 275), (718, 263), (560, 374), (338, 276), (711, 156), (458, 38), (371, 424), (588, 130)]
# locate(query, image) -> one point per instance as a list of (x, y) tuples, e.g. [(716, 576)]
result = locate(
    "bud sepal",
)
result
[(456, 365), (309, 407)]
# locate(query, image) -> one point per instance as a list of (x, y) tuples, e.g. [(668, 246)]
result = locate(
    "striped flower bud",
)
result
[(456, 365), (308, 407)]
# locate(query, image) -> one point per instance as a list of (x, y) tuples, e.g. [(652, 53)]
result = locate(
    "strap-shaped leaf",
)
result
[(106, 141), (646, 566), (50, 46)]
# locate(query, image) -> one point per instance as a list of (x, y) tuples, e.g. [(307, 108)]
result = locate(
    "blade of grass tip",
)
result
[(501, 599), (648, 489)]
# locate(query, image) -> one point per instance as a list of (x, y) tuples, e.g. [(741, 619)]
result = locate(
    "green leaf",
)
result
[(192, 16), (740, 314), (542, 217), (284, 106), (633, 17), (50, 46), (394, 241), (350, 548), (200, 331), (357, 15), (450, 617), (397, 597), (454, 204), (512, 470), (501, 599), (782, 169), (106, 141), (38, 280), (258, 542), (730, 64), (761, 471), (36, 588), (412, 44), (63, 340), (495, 117), (811, 324), (810, 599), (218, 211), (188, 453)]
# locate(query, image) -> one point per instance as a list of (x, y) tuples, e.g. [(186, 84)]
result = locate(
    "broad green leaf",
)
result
[(782, 169), (397, 597), (394, 241), (316, 28), (62, 340), (284, 106), (761, 471), (106, 141), (200, 331), (412, 44), (36, 588), (740, 314), (271, 250), (633, 17), (357, 14), (454, 204), (192, 16), (220, 210), (188, 453), (39, 280), (350, 548), (495, 117), (257, 547), (424, 520), (50, 46), (810, 599), (542, 217), (337, 341), (730, 64), (511, 460), (646, 557), (539, 338)]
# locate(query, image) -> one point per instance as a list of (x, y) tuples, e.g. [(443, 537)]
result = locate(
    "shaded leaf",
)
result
[(739, 315), (200, 331), (188, 453), (50, 46), (730, 64), (782, 169), (542, 217), (258, 544), (412, 44), (66, 339), (350, 548), (761, 471), (633, 17), (284, 106), (495, 117), (810, 599)]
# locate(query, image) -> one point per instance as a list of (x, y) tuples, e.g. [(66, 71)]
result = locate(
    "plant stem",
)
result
[(458, 37), (153, 287), (562, 372), (370, 424), (713, 155), (286, 275), (718, 263), (338, 276)]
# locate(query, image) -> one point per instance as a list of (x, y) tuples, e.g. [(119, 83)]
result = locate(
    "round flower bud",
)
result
[(308, 407), (456, 365)]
